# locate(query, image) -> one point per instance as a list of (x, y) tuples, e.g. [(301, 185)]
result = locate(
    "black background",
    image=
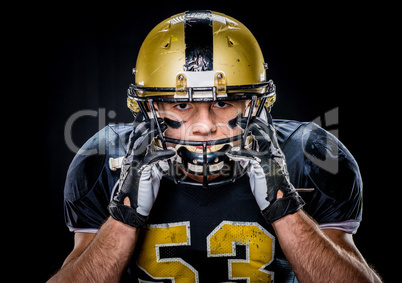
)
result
[(70, 58)]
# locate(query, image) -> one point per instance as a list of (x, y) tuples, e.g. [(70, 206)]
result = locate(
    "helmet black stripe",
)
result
[(199, 41)]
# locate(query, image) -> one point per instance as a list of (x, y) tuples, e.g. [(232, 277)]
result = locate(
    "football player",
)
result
[(205, 186)]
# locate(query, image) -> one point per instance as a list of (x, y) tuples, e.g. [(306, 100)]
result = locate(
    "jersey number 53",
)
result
[(221, 242)]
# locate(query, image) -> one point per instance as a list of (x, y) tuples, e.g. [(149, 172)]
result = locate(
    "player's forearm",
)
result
[(105, 258), (313, 257)]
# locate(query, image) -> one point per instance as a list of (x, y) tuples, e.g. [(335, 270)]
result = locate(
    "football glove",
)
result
[(141, 172), (267, 170)]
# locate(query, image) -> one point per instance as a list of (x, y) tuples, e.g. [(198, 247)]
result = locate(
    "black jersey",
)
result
[(217, 234)]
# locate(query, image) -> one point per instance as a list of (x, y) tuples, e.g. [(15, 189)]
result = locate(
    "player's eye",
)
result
[(220, 104), (182, 106)]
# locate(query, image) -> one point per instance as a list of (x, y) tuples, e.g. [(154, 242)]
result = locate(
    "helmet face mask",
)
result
[(213, 68)]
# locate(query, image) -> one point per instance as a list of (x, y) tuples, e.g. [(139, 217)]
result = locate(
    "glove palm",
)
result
[(267, 170), (140, 176)]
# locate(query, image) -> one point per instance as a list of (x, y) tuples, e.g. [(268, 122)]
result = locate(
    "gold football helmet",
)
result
[(201, 56)]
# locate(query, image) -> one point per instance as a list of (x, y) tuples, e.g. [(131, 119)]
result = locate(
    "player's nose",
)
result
[(203, 121)]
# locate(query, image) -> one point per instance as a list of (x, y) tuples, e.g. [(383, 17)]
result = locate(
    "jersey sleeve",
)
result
[(331, 170), (317, 160), (90, 181)]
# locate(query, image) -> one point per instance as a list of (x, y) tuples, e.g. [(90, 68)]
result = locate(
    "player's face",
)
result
[(201, 121)]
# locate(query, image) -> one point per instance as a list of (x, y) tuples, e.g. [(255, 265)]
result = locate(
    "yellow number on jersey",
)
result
[(221, 242), (163, 235), (259, 245)]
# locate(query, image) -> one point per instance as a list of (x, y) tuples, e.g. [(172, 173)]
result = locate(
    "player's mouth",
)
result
[(200, 146), (199, 149)]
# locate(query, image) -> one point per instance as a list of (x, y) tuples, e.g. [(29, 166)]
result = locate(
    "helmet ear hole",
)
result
[(230, 41)]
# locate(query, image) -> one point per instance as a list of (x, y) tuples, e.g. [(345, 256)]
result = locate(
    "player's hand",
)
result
[(141, 172), (266, 167)]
